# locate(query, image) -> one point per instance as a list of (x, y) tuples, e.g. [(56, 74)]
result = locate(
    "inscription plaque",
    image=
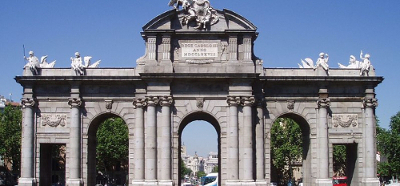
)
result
[(199, 50)]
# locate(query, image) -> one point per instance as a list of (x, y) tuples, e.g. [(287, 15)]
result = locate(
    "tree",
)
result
[(112, 144), (215, 169), (339, 160), (287, 146), (184, 170), (10, 136), (200, 174), (388, 142)]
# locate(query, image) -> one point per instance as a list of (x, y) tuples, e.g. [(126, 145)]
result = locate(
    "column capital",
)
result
[(370, 102), (74, 102), (28, 102), (166, 101), (139, 102), (248, 100), (233, 100), (323, 102), (152, 100)]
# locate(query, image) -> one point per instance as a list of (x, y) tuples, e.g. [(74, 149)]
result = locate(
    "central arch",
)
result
[(195, 117)]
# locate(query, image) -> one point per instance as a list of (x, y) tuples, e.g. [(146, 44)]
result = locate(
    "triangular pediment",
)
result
[(174, 20)]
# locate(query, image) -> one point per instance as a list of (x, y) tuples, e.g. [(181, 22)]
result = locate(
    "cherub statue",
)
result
[(353, 63), (76, 64), (365, 64), (79, 67), (33, 62), (323, 61), (45, 64)]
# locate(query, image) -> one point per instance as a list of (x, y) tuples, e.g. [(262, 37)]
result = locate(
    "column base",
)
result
[(323, 182), (137, 182), (165, 183), (150, 183), (242, 183), (74, 182), (370, 181), (26, 181), (261, 183)]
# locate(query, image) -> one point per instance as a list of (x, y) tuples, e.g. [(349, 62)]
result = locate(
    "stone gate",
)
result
[(199, 64)]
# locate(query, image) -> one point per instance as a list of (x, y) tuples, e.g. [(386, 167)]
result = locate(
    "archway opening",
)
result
[(108, 144), (52, 164), (199, 150), (344, 164), (290, 154)]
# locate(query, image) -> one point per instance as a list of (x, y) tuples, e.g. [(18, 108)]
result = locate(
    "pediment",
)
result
[(173, 20)]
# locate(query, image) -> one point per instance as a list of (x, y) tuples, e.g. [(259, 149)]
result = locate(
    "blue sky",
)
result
[(290, 30)]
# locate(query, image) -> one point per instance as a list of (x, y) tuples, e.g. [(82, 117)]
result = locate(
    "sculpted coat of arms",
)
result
[(199, 11)]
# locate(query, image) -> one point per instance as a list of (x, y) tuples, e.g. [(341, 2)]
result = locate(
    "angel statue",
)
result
[(307, 63), (79, 67), (353, 63), (176, 3), (45, 64), (365, 64), (33, 63)]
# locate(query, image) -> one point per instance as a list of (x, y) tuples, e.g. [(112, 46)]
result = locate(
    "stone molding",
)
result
[(109, 104), (54, 120), (345, 120), (248, 101), (370, 102), (324, 103), (152, 100), (200, 103), (166, 101), (75, 102), (290, 104), (233, 100), (28, 102), (139, 103)]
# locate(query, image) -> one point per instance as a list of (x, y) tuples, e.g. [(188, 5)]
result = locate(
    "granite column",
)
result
[(27, 149), (165, 145), (322, 138), (233, 139), (151, 141), (247, 146), (74, 148), (139, 105)]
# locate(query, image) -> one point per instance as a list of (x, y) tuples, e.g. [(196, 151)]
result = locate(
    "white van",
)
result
[(211, 180)]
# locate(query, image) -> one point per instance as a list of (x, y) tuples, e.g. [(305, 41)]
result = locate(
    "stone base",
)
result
[(323, 182), (165, 183), (240, 183), (261, 183), (137, 183), (74, 182), (150, 183), (370, 182), (26, 181)]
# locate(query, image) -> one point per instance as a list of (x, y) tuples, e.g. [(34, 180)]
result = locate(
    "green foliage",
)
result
[(112, 144), (201, 174), (215, 169), (287, 146), (388, 142), (10, 136), (184, 170), (339, 160)]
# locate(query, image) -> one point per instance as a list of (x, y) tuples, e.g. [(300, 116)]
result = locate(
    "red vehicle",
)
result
[(340, 181)]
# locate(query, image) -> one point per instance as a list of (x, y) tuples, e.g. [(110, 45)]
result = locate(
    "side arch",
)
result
[(305, 116), (90, 141)]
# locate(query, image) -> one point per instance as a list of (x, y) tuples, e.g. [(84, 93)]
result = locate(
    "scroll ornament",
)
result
[(345, 120), (54, 120)]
